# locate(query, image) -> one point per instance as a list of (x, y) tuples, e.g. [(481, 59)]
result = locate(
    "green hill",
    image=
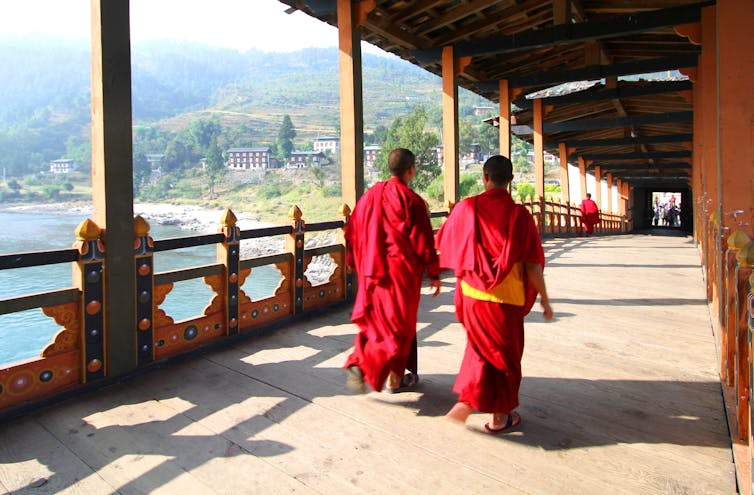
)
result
[(45, 94)]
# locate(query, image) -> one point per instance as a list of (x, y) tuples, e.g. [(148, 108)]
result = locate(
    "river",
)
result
[(23, 335)]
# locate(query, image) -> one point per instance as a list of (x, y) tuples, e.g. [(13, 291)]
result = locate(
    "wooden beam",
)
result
[(561, 12), (594, 72), (604, 123), (625, 141), (614, 157), (645, 166), (351, 106), (112, 177), (652, 88), (572, 33)]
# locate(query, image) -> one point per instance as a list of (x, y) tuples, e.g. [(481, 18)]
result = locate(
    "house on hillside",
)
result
[(483, 110), (324, 144), (250, 159), (62, 166), (304, 159), (474, 155), (370, 155)]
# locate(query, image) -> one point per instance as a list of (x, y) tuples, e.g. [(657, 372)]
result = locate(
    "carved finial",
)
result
[(449, 204), (344, 210), (738, 239), (228, 219), (87, 231), (141, 226), (295, 213), (745, 255), (715, 218)]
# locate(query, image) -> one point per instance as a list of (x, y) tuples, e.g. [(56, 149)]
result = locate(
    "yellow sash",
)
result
[(509, 291)]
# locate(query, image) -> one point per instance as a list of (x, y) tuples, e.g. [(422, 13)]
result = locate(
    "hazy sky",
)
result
[(239, 24)]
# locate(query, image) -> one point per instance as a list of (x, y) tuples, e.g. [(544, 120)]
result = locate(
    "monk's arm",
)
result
[(536, 277)]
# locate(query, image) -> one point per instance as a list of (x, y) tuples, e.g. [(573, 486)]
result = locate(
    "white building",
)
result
[(248, 158), (62, 166), (324, 144)]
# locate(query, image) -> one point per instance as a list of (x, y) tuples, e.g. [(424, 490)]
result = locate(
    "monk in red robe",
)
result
[(494, 248), (590, 214), (391, 246)]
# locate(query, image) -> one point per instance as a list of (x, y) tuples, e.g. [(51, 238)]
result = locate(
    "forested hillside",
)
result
[(44, 94)]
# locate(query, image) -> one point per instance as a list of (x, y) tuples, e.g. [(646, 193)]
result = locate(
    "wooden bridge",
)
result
[(621, 394)]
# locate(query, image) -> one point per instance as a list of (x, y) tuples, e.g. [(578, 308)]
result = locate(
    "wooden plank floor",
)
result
[(620, 395)]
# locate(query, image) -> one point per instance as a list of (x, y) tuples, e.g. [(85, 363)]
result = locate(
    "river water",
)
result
[(24, 334)]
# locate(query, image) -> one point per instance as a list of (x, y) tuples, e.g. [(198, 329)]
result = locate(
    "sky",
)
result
[(238, 24)]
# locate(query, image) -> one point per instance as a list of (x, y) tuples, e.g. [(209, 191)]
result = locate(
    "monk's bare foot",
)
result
[(393, 380), (459, 412)]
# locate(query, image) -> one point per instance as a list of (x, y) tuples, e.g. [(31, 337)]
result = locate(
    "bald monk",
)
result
[(494, 248), (590, 214), (391, 246)]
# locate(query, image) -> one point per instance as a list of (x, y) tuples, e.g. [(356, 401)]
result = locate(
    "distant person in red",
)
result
[(391, 245), (590, 214), (494, 248)]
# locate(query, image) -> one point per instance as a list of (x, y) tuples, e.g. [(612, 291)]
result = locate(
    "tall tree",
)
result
[(285, 137), (214, 166), (410, 132)]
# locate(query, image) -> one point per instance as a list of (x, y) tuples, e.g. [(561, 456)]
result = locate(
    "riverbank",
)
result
[(186, 217)]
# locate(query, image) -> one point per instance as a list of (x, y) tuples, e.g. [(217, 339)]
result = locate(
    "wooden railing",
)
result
[(564, 218), (77, 354)]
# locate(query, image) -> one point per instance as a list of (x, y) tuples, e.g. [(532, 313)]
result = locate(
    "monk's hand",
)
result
[(547, 311), (435, 284)]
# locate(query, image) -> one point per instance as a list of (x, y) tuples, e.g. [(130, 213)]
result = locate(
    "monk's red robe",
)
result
[(590, 215), (391, 245), (485, 239)]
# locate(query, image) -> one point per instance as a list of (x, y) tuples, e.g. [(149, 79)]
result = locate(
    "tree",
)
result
[(204, 132), (409, 132), (214, 166), (285, 137), (142, 171), (13, 185), (318, 174)]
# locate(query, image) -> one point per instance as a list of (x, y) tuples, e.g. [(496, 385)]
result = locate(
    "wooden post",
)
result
[(351, 105), (539, 149), (89, 278), (582, 176), (565, 188), (505, 119), (598, 184), (112, 175), (229, 254), (350, 291), (449, 125), (609, 180), (294, 244), (144, 262)]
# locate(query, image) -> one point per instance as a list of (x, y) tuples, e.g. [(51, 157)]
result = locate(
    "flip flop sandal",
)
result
[(514, 419)]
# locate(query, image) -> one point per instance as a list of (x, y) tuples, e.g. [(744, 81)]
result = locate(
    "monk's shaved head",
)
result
[(400, 160), (499, 169)]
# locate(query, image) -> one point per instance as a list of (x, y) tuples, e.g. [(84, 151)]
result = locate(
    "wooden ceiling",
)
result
[(638, 130)]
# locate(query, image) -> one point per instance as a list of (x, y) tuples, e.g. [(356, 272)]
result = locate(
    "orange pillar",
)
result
[(736, 116), (351, 106), (582, 175), (449, 125), (707, 73), (565, 190), (609, 180), (598, 182), (539, 149), (505, 119)]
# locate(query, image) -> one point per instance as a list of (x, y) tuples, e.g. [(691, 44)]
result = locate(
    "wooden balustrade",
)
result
[(555, 218), (76, 355)]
